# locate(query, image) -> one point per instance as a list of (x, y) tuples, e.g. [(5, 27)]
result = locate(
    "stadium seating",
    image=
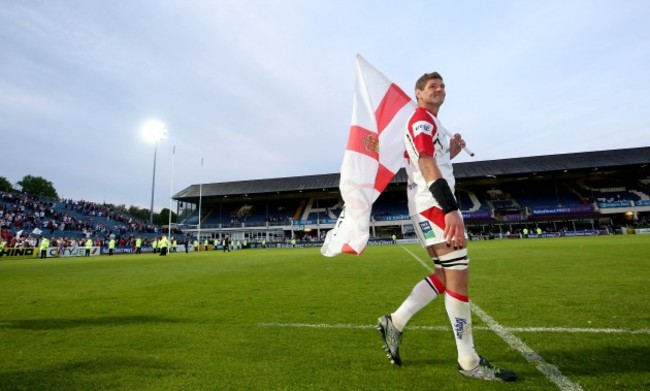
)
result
[(73, 219), (470, 202), (247, 214), (390, 209), (545, 197), (322, 210)]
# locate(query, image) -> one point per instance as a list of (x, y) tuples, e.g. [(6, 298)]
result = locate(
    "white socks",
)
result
[(422, 294), (460, 316), (458, 310)]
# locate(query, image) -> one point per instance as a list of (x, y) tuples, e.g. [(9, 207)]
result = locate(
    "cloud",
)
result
[(264, 89)]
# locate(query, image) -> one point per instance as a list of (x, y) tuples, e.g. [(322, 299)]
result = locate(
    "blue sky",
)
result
[(263, 89)]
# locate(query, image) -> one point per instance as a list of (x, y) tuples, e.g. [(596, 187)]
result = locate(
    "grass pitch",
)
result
[(290, 319)]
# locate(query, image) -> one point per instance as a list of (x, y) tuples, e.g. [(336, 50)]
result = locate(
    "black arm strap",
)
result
[(442, 193)]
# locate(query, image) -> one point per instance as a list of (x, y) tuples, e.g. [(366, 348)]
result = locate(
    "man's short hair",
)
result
[(424, 79)]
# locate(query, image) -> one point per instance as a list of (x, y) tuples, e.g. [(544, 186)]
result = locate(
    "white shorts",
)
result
[(429, 225)]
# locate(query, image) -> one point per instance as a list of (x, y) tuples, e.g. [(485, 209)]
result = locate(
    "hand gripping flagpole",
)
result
[(451, 136)]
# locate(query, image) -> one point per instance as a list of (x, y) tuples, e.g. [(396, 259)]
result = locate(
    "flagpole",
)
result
[(198, 232), (171, 192), (451, 136)]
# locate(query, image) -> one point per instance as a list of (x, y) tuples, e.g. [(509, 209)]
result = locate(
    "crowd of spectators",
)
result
[(123, 223), (24, 218)]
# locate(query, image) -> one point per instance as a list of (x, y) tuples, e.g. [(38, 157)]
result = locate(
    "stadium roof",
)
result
[(581, 161)]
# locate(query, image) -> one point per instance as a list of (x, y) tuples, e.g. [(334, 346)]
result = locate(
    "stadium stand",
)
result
[(24, 219), (470, 202), (557, 193), (564, 191)]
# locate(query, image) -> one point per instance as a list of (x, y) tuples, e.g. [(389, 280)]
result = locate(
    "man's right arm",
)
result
[(429, 168), (454, 226)]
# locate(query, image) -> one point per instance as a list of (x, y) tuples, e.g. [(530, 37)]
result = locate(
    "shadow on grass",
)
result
[(602, 360), (59, 324), (103, 373)]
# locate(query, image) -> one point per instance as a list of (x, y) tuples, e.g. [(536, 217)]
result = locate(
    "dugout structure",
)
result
[(599, 190)]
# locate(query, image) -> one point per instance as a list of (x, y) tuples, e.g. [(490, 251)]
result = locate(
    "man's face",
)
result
[(433, 93)]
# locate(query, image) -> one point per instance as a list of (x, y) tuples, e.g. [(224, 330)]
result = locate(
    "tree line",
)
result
[(44, 189)]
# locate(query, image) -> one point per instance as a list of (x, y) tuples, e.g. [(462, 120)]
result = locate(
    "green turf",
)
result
[(228, 321)]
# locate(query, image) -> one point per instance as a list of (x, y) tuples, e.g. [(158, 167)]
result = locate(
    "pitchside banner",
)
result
[(563, 211), (19, 252), (480, 215), (52, 252), (614, 204)]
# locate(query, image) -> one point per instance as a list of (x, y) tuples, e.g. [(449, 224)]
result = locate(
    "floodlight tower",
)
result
[(155, 131)]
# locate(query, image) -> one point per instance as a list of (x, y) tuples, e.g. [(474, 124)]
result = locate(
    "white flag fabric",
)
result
[(37, 231), (374, 154)]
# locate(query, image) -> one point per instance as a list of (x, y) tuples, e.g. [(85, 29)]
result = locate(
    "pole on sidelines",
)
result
[(153, 181), (171, 192), (198, 231)]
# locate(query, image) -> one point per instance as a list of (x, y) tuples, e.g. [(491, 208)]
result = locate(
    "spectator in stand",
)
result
[(6, 235)]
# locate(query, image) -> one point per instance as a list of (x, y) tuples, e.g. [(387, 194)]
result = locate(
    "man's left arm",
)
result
[(456, 144)]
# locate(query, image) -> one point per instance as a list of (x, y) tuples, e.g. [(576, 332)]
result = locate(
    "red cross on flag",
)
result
[(374, 154)]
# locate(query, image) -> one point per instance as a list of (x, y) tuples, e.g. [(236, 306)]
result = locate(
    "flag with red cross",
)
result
[(374, 154)]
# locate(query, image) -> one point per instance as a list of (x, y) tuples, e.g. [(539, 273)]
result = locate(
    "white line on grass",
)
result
[(569, 330), (575, 330), (316, 326), (549, 370)]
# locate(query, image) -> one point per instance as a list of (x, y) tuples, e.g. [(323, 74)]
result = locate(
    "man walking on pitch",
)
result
[(440, 229)]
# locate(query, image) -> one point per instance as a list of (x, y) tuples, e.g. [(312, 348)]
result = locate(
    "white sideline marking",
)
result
[(575, 330), (549, 370), (570, 330), (426, 265)]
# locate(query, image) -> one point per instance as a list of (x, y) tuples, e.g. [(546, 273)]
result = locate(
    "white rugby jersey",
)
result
[(424, 134)]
